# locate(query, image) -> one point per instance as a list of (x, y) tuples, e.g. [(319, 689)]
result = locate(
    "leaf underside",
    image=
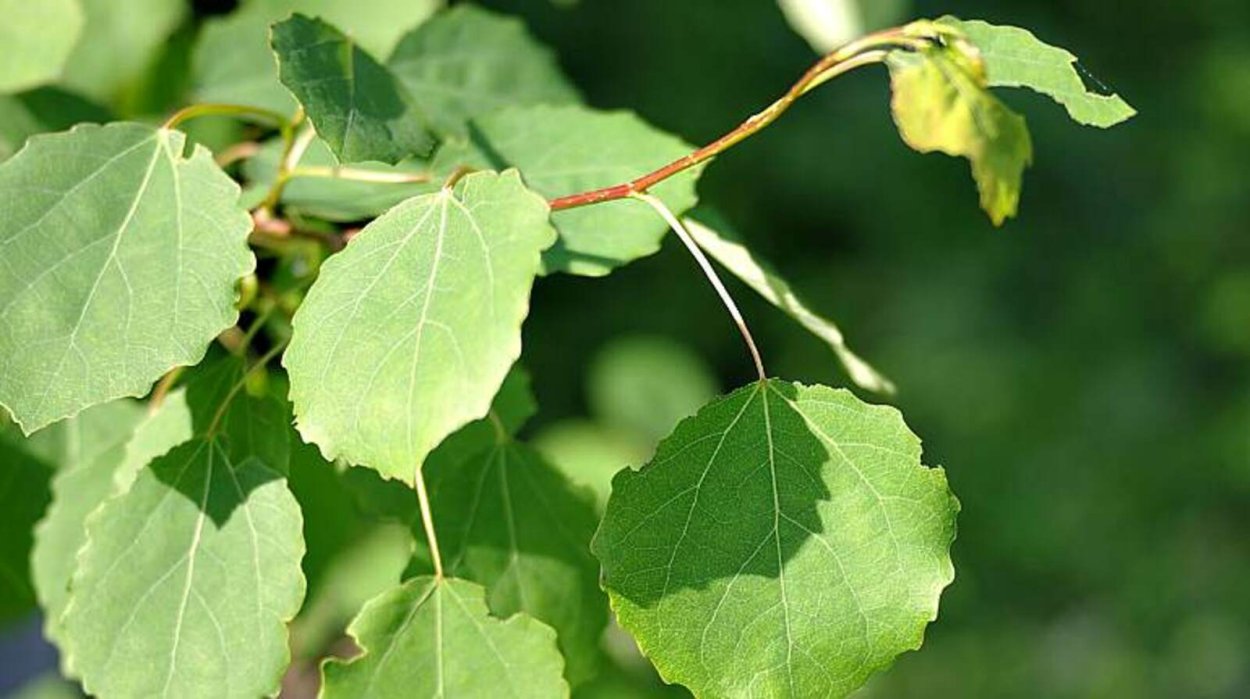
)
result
[(409, 332), (435, 638), (120, 259)]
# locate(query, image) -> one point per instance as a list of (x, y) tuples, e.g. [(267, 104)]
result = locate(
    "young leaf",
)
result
[(563, 150), (409, 332), (834, 562), (435, 638), (357, 105), (121, 258), (941, 104), (198, 605), (735, 256), (468, 62), (1014, 57), (91, 446), (511, 522), (233, 63), (37, 38)]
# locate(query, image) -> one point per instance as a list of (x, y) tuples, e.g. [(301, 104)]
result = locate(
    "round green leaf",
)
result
[(120, 258), (193, 574), (409, 332), (785, 541)]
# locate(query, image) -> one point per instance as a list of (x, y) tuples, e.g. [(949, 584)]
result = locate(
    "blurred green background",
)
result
[(1083, 373)]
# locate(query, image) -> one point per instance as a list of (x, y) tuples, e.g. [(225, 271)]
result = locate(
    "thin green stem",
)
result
[(359, 175), (241, 111), (708, 271), (292, 152), (427, 521)]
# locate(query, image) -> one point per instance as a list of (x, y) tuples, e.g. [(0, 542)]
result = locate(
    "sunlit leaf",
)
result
[(197, 606), (435, 638), (941, 104), (571, 149), (785, 541), (1014, 57), (37, 38), (828, 24), (468, 62), (757, 274), (409, 332), (120, 262), (356, 103)]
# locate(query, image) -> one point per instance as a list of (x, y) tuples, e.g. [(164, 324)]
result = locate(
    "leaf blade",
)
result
[(834, 565), (147, 242), (441, 630), (459, 264)]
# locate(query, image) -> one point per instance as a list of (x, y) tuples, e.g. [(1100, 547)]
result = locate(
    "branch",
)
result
[(866, 51)]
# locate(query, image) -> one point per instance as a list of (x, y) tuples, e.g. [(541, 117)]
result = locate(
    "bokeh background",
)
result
[(1082, 373)]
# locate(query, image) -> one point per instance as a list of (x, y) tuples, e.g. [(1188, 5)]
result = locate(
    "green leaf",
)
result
[(357, 105), (468, 62), (193, 574), (118, 46), (836, 557), (435, 638), (336, 199), (1014, 57), (511, 522), (941, 104), (90, 447), (23, 497), (233, 63), (121, 258), (37, 38), (566, 150), (726, 249), (409, 332)]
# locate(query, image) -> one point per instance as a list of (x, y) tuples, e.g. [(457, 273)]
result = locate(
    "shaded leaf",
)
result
[(37, 38), (233, 63), (836, 557), (357, 105), (198, 605), (435, 638), (509, 521), (645, 385), (941, 104), (409, 332), (1014, 57), (120, 262), (590, 454), (468, 62), (570, 149), (730, 252)]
